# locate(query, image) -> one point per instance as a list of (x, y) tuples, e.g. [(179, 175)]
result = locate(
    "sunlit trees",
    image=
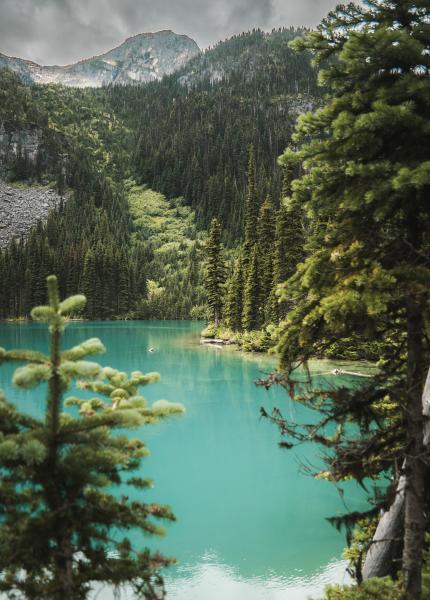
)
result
[(365, 188), (60, 514), (215, 272)]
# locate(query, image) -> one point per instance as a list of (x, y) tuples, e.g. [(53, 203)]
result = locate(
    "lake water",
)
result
[(250, 525)]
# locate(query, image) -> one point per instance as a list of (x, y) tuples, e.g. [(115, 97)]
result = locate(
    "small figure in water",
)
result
[(151, 349)]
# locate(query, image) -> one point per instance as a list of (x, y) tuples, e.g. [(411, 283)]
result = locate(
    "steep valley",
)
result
[(186, 137)]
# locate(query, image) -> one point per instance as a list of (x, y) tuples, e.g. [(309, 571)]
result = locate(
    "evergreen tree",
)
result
[(215, 272), (124, 296), (57, 502), (233, 306), (265, 239), (89, 276), (251, 206), (366, 190), (251, 317), (288, 251), (88, 151)]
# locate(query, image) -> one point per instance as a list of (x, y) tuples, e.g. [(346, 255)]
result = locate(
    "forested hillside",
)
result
[(88, 160), (186, 137), (194, 127), (352, 238), (206, 195)]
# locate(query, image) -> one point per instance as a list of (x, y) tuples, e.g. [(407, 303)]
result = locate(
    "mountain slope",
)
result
[(244, 55), (195, 126), (140, 59), (184, 138)]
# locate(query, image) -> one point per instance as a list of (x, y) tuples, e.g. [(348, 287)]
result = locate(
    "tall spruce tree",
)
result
[(215, 272), (59, 513), (251, 206), (265, 240), (251, 317), (233, 305), (288, 251), (366, 188)]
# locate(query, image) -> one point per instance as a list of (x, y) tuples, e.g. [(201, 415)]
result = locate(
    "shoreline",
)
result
[(318, 366)]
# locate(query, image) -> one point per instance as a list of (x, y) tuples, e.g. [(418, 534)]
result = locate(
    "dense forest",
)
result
[(341, 268), (194, 128), (207, 195), (186, 137)]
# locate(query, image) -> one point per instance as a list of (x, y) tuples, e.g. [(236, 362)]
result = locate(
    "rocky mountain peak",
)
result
[(139, 59)]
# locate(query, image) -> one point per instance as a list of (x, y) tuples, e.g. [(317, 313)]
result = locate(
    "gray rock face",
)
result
[(140, 59), (21, 208), (25, 140)]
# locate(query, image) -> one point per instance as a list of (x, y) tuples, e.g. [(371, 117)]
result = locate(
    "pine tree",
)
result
[(251, 318), (233, 306), (265, 239), (251, 206), (57, 502), (124, 299), (215, 272), (89, 276), (366, 190), (288, 251), (289, 236)]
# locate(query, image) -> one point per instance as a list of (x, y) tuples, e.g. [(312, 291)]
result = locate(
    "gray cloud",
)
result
[(63, 31)]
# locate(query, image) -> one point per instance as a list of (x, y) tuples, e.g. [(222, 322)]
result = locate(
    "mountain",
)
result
[(193, 128), (140, 59), (243, 55), (143, 169)]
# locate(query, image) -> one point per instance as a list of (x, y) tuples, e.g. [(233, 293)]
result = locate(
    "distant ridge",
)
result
[(139, 59)]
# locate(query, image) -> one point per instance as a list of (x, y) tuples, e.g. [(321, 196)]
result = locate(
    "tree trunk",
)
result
[(379, 558), (426, 410), (415, 467), (63, 575)]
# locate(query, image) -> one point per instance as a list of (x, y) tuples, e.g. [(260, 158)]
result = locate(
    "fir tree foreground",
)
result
[(363, 178), (58, 508)]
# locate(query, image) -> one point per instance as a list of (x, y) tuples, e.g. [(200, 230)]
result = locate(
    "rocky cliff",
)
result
[(140, 59), (16, 143), (21, 207)]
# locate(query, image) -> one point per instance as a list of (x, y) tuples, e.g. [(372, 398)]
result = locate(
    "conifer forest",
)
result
[(247, 233)]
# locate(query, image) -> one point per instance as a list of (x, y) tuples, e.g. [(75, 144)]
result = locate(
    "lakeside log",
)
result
[(216, 342)]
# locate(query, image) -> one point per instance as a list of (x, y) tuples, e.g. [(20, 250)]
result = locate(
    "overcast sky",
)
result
[(63, 31)]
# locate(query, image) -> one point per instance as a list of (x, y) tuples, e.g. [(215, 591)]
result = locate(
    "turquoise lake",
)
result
[(250, 524)]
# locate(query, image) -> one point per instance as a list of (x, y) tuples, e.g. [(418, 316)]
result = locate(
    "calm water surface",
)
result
[(249, 524)]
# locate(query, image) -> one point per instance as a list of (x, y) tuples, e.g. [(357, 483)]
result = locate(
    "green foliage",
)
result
[(187, 137), (233, 303), (215, 272), (356, 348), (85, 241), (374, 589), (251, 206), (85, 118), (265, 229), (195, 126), (289, 244), (254, 341), (168, 254), (272, 248), (16, 103), (251, 317), (60, 473), (363, 185), (87, 148)]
